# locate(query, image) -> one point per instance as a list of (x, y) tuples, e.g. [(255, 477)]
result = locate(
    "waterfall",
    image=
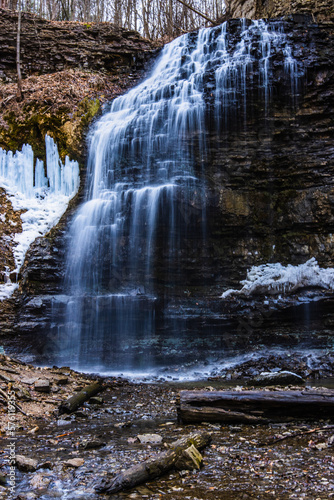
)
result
[(145, 190)]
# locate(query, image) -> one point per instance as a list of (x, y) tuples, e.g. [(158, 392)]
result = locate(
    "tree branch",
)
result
[(197, 12)]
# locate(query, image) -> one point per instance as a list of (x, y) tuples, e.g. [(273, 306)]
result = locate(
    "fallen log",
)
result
[(75, 401), (254, 407), (154, 467)]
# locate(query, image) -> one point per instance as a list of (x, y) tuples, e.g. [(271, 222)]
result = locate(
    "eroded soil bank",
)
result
[(70, 454)]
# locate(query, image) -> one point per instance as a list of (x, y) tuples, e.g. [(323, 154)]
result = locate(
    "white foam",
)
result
[(45, 198), (272, 279)]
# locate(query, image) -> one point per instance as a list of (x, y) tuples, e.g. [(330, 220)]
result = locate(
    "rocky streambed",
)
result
[(67, 455)]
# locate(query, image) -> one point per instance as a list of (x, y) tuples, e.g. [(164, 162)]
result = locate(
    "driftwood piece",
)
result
[(254, 406), (153, 467), (75, 401), (328, 428)]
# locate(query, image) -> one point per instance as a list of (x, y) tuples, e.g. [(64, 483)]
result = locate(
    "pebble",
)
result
[(74, 462), (150, 438), (39, 481)]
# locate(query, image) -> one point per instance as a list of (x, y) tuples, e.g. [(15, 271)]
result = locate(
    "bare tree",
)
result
[(152, 18), (18, 55)]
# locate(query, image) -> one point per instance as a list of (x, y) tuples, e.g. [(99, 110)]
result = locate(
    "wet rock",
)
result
[(25, 464), (45, 465), (42, 385), (39, 481), (149, 438), (94, 443), (276, 378), (74, 462), (61, 422), (81, 414)]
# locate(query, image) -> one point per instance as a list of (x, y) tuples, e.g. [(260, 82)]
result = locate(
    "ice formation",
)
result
[(44, 197), (272, 279)]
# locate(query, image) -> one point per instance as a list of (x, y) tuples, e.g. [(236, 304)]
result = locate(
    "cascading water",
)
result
[(145, 192)]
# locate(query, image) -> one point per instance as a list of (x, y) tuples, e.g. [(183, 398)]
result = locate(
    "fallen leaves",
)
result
[(59, 91)]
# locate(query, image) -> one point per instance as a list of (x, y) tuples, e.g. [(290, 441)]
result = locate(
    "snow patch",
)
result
[(44, 197), (274, 279)]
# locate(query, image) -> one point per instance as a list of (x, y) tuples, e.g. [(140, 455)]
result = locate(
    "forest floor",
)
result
[(62, 89), (66, 456)]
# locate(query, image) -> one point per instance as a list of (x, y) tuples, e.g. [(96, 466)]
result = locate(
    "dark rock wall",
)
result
[(272, 180)]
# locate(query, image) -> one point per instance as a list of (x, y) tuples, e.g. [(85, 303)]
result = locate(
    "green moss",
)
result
[(66, 127)]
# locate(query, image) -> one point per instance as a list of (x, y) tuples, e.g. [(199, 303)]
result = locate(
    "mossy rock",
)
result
[(66, 127)]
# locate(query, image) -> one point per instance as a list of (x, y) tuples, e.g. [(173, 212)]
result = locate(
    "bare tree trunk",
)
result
[(18, 55), (145, 21), (197, 12)]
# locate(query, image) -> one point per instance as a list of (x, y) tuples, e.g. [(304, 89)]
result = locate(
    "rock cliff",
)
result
[(272, 180), (269, 190), (259, 9), (48, 47)]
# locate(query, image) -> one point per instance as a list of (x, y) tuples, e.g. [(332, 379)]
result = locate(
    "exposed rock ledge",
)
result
[(319, 10)]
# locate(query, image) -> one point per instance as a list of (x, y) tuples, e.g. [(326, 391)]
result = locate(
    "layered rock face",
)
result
[(259, 9), (272, 179), (48, 47)]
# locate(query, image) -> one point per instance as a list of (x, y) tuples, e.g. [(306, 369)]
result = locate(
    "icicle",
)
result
[(41, 182), (44, 199)]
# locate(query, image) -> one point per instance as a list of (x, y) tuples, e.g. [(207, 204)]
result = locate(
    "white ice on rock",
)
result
[(274, 279), (44, 197)]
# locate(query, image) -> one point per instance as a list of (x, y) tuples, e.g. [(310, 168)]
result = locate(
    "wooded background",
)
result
[(154, 19)]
